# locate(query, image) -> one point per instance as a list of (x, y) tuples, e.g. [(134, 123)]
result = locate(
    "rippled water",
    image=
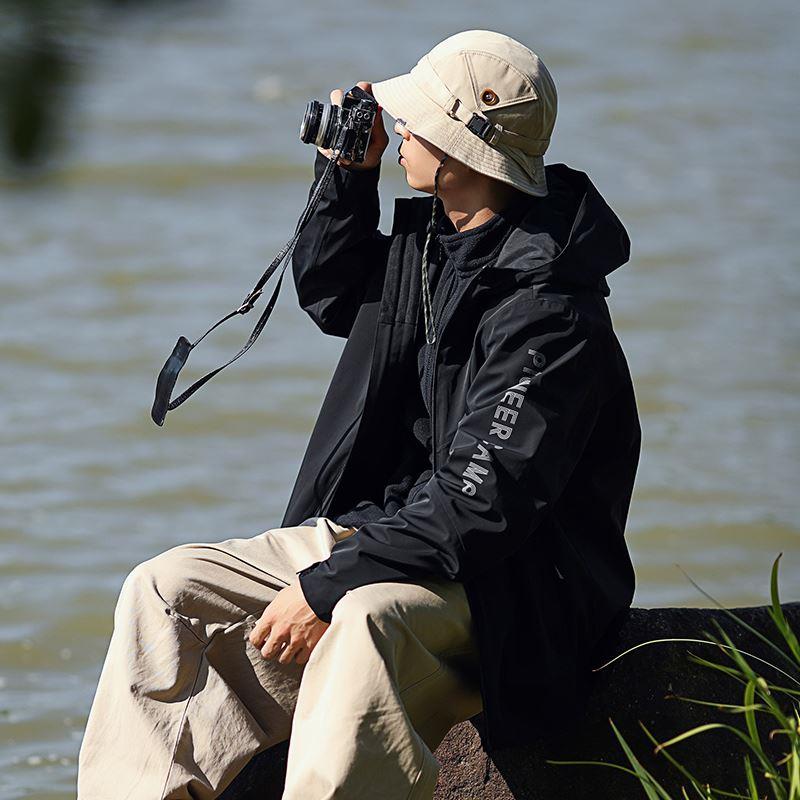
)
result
[(184, 179)]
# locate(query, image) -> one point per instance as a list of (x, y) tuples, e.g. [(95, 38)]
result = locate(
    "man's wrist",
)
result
[(370, 172), (316, 598)]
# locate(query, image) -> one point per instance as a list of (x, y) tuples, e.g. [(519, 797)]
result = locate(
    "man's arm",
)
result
[(339, 247), (529, 412)]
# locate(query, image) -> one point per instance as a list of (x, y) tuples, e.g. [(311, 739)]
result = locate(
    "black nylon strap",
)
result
[(481, 127), (180, 353)]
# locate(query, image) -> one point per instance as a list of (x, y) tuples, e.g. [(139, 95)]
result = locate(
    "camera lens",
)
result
[(310, 124), (320, 123)]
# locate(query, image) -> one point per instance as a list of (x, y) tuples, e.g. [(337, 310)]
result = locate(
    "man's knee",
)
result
[(374, 607), (169, 577), (432, 613)]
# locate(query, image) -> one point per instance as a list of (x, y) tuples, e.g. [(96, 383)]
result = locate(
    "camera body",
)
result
[(323, 122)]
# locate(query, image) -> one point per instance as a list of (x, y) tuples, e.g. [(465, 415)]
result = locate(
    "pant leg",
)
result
[(396, 669), (184, 700)]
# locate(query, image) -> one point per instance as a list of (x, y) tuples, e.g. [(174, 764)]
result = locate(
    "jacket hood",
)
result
[(570, 237)]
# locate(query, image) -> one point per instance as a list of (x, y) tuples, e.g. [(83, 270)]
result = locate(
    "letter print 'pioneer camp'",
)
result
[(502, 425)]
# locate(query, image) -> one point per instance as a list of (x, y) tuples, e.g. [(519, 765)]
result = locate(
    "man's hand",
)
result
[(288, 619), (378, 140)]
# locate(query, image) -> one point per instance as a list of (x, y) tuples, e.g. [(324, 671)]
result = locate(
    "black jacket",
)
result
[(534, 429), (453, 258)]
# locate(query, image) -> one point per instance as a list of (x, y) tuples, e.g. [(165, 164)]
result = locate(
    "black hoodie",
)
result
[(534, 432)]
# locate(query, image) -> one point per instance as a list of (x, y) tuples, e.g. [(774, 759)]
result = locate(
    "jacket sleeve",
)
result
[(530, 408), (339, 247)]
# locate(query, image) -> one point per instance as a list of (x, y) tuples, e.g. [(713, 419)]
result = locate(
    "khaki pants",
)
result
[(184, 700)]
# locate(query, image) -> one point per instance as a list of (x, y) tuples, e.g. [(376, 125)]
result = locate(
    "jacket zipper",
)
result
[(445, 319)]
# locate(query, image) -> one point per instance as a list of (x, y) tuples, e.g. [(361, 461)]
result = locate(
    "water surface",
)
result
[(184, 179)]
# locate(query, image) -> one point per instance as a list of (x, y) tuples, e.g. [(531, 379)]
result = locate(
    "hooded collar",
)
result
[(570, 237), (471, 249)]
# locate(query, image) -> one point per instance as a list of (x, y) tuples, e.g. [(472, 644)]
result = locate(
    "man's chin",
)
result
[(420, 187), (415, 184)]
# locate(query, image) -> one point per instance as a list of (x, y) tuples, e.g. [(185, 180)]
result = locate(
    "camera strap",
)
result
[(180, 353)]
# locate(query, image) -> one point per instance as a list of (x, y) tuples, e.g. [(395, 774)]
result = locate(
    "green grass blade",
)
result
[(709, 726), (778, 617), (765, 763), (733, 708), (738, 656), (749, 716), (782, 689), (793, 765), (703, 662), (652, 788), (739, 621), (696, 784), (751, 778), (647, 644), (694, 641), (593, 764)]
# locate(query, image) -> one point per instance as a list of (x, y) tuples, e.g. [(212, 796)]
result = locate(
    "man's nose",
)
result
[(400, 127)]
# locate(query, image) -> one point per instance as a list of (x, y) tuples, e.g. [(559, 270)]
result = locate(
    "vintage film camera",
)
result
[(323, 122)]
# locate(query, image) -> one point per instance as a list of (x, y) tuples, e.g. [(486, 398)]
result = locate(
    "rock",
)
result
[(640, 687)]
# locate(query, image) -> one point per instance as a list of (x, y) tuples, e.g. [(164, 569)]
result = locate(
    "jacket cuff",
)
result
[(362, 179), (321, 594), (325, 583)]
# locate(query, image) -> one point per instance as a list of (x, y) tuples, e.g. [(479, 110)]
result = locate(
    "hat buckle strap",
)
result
[(484, 129), (529, 146), (480, 126), (492, 132), (451, 106)]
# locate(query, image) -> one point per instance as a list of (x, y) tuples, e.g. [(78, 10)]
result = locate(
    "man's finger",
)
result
[(260, 632), (288, 653), (272, 646)]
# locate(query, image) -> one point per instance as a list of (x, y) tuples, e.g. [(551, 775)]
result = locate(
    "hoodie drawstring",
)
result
[(430, 330)]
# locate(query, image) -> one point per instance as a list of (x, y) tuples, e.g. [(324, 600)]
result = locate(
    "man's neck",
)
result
[(470, 209)]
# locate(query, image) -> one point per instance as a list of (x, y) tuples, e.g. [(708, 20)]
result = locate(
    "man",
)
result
[(535, 433), (454, 539)]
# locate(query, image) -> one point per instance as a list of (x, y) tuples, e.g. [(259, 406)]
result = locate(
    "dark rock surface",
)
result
[(636, 688)]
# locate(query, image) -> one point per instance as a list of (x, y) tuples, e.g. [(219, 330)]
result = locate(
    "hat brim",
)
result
[(402, 97)]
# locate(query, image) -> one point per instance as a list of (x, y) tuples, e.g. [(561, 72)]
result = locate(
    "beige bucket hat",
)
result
[(484, 99)]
